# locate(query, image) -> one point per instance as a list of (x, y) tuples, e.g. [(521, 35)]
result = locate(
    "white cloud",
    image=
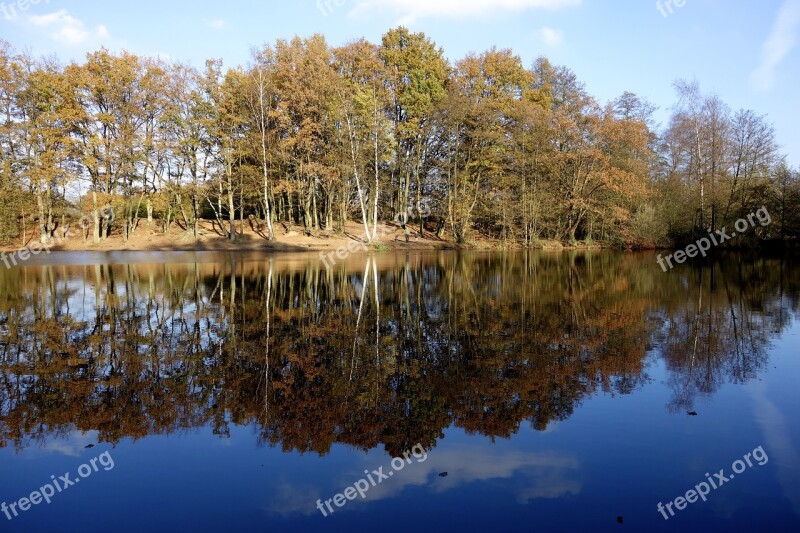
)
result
[(777, 46), (415, 9), (217, 24), (551, 37), (65, 28)]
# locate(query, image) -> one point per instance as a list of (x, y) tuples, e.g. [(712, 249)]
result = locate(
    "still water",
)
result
[(516, 392)]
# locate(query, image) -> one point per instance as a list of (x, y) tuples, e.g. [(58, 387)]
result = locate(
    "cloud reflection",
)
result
[(542, 474)]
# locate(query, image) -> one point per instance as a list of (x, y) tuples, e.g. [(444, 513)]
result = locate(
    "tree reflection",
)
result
[(386, 350)]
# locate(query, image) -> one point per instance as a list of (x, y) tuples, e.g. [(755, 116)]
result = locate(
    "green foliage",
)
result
[(649, 227)]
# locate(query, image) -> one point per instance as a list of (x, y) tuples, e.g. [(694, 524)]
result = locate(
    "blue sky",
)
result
[(746, 52)]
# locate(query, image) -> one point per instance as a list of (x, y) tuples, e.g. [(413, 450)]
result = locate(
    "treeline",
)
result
[(313, 136)]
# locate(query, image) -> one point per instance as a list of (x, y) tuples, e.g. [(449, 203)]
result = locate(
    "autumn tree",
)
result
[(363, 101), (416, 76), (305, 84)]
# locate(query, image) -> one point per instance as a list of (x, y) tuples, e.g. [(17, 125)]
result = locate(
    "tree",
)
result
[(305, 84), (416, 75), (363, 101), (260, 103), (50, 113)]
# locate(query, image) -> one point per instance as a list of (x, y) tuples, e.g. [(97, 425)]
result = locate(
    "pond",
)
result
[(525, 391)]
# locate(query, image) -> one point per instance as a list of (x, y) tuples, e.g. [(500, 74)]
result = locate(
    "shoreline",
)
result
[(287, 247), (391, 238)]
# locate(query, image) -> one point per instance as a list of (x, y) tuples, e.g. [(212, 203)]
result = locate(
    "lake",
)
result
[(399, 392)]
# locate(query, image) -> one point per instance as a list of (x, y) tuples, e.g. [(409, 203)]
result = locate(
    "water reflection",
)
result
[(387, 350)]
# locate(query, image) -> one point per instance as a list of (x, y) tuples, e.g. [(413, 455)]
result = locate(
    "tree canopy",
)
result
[(311, 135)]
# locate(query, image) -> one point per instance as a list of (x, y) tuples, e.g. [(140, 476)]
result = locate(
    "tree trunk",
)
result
[(95, 219)]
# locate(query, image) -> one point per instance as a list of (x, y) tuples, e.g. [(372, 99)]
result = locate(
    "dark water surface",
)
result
[(529, 392)]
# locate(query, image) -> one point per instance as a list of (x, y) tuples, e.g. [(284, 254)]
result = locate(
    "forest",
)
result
[(311, 136)]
